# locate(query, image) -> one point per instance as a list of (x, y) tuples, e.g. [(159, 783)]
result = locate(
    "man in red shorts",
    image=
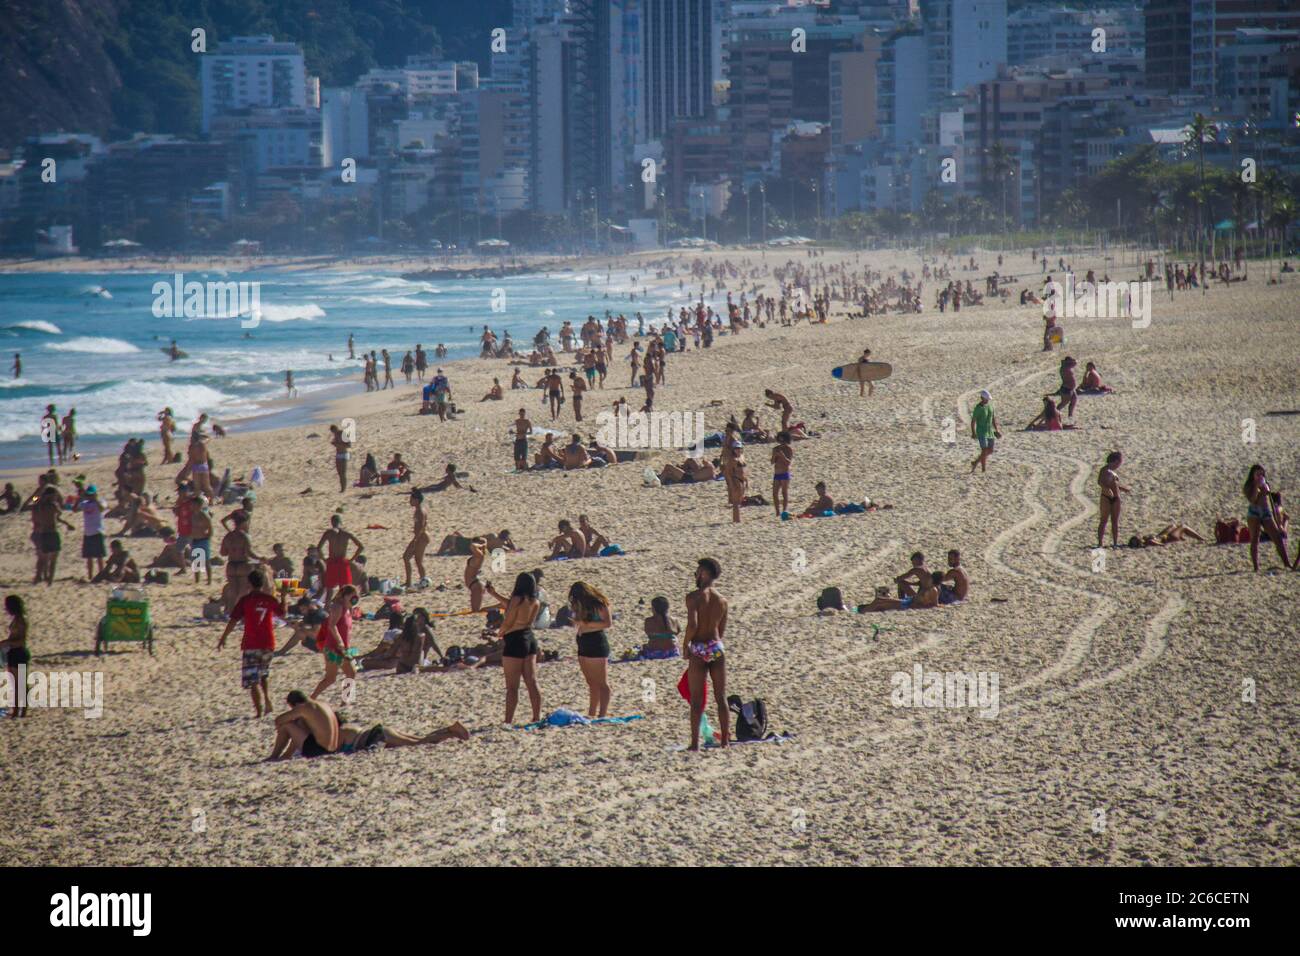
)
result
[(334, 544)]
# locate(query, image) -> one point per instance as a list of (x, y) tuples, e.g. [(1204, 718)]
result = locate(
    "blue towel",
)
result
[(569, 718)]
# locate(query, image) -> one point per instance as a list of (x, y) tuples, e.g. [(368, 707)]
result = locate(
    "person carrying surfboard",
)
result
[(863, 382)]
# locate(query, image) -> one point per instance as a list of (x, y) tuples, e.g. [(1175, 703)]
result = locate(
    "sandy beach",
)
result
[(1148, 710)]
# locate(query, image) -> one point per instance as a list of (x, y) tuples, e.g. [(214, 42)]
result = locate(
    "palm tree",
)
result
[(1197, 133), (1003, 165)]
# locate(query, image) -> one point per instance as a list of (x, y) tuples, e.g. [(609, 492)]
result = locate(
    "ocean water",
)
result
[(91, 341)]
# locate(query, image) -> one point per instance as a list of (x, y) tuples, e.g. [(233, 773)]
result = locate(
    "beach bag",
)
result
[(751, 718), (830, 598)]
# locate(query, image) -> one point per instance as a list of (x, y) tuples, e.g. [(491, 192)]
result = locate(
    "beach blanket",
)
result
[(643, 655), (569, 718)]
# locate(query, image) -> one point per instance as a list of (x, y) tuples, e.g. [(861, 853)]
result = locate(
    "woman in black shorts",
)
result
[(519, 655), (591, 616), (15, 648)]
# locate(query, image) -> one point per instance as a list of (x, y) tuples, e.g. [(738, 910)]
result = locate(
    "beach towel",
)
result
[(684, 688), (569, 718)]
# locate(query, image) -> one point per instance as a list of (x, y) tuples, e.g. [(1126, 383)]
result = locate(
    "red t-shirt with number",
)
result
[(259, 612)]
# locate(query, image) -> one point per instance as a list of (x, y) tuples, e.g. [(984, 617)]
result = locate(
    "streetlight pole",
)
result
[(762, 193)]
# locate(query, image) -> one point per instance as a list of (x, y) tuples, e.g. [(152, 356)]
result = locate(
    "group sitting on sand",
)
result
[(918, 587)]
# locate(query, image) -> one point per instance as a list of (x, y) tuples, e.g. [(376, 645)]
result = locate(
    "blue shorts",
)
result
[(986, 443)]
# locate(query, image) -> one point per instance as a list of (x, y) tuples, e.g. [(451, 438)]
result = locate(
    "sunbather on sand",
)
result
[(569, 543), (354, 738), (448, 480), (960, 587), (914, 578), (1049, 419), (120, 568), (547, 456), (575, 454), (661, 631), (823, 501), (309, 727), (1092, 384), (1169, 534), (595, 540), (927, 598)]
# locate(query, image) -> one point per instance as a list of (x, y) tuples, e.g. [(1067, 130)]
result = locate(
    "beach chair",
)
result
[(126, 619)]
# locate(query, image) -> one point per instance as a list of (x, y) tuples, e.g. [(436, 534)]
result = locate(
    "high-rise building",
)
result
[(966, 42), (1183, 37), (677, 49), (252, 71)]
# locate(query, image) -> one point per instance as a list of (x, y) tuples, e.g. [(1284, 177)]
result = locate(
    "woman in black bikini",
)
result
[(519, 651), (15, 648), (1108, 480), (591, 616)]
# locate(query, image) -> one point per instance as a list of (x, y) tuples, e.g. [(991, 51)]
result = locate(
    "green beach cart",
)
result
[(127, 619)]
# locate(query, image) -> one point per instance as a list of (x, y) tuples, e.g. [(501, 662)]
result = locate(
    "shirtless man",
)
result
[(706, 625), (575, 454), (554, 386), (448, 480), (358, 737), (308, 725), (778, 401), (120, 568), (569, 543), (546, 456), (577, 386), (823, 501), (338, 566), (419, 538), (960, 583), (237, 549), (1109, 506), (917, 573), (473, 569), (782, 456), (595, 540), (523, 428), (47, 515), (342, 453), (870, 386), (927, 596)]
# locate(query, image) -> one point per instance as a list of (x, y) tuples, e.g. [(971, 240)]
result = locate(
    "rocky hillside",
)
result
[(114, 67)]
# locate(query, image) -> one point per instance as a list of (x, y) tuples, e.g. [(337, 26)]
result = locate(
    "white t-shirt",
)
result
[(92, 514)]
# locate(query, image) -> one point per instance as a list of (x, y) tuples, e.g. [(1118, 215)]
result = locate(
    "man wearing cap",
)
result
[(92, 542), (984, 429)]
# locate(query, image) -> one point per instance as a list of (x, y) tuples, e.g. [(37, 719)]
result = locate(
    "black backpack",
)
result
[(830, 598), (751, 718)]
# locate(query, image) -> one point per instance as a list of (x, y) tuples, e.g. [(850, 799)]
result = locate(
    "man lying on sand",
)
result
[(928, 597)]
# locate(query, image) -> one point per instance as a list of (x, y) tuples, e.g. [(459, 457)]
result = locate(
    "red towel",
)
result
[(684, 688)]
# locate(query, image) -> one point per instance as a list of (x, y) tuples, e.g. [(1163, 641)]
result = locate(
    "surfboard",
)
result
[(863, 371), (179, 354)]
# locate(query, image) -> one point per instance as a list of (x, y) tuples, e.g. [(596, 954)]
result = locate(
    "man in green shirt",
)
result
[(983, 428)]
